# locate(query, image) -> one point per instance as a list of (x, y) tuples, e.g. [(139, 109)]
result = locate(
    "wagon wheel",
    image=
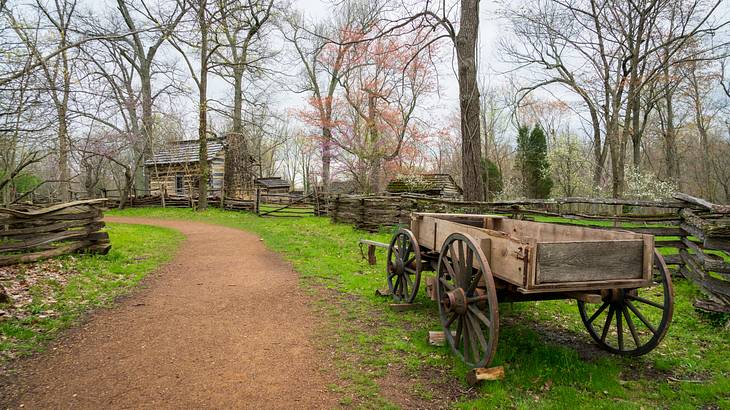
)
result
[(646, 312), (404, 266), (467, 300)]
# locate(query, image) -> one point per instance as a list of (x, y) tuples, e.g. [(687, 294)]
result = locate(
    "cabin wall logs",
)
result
[(29, 233)]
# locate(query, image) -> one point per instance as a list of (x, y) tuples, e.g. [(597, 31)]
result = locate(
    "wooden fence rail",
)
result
[(29, 233), (698, 232)]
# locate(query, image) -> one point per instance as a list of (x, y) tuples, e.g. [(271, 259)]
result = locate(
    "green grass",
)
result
[(136, 251), (690, 369)]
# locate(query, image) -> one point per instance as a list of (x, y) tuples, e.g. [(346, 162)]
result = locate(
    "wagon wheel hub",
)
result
[(455, 301), (399, 266)]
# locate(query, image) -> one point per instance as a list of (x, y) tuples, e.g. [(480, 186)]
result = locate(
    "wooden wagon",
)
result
[(621, 283)]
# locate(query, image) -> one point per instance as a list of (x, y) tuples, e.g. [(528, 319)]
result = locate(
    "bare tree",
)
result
[(608, 54)]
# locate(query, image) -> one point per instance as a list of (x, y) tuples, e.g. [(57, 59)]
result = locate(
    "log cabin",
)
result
[(175, 168), (435, 185)]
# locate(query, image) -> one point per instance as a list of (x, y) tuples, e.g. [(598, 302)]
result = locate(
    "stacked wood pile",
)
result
[(29, 233), (697, 232), (231, 204), (440, 185)]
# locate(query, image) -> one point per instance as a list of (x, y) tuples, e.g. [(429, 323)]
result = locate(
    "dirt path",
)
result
[(221, 326)]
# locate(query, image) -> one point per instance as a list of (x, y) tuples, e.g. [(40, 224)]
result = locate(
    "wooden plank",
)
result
[(51, 209), (401, 307), (657, 231), (36, 256), (438, 338), (46, 228), (589, 261), (725, 209)]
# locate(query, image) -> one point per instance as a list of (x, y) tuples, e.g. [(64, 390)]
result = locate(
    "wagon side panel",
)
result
[(507, 257), (590, 261)]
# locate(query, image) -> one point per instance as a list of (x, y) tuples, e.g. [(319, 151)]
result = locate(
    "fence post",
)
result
[(258, 199)]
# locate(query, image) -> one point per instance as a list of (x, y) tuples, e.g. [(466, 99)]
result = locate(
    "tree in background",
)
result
[(492, 178), (533, 162)]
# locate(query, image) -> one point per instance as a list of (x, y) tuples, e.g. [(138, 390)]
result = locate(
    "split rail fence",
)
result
[(696, 232), (29, 233)]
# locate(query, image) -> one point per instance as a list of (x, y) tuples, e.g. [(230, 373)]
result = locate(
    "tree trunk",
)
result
[(237, 101), (471, 152), (63, 154), (670, 142), (326, 157), (147, 119), (203, 111)]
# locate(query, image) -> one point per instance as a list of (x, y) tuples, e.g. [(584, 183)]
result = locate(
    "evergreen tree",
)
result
[(533, 162), (492, 178)]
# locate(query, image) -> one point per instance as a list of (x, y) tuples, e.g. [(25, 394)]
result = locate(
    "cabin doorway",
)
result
[(179, 188)]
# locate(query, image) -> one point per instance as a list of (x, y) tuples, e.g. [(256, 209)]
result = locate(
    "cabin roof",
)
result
[(429, 184), (180, 152), (272, 182)]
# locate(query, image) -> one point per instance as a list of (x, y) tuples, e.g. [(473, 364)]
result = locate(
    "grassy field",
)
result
[(65, 288), (547, 354)]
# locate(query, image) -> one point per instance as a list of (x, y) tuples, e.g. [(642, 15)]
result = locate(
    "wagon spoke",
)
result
[(450, 269), (646, 301), (404, 284), (607, 324), (409, 270), (462, 266), (474, 310), (598, 312), (467, 339), (480, 334), (396, 286), (451, 320), (446, 284), (459, 329), (411, 260), (473, 332), (641, 317), (475, 282), (619, 329), (632, 328), (409, 280)]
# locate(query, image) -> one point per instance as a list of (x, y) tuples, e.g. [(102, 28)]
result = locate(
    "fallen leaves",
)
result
[(30, 288)]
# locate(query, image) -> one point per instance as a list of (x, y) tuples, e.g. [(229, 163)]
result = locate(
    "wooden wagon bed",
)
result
[(543, 257), (621, 283)]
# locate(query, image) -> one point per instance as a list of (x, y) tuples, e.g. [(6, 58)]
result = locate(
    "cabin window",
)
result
[(179, 184)]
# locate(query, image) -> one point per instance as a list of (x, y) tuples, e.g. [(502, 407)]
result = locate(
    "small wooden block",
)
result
[(372, 260), (437, 337), (481, 373), (383, 292), (401, 307), (431, 287)]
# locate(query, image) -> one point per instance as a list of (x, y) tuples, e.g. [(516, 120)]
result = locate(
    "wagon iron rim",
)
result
[(467, 299), (403, 266), (633, 315)]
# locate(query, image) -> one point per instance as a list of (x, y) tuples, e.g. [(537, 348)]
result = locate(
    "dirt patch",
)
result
[(223, 325)]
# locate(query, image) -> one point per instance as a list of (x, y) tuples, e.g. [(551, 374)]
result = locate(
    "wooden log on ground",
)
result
[(484, 374)]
